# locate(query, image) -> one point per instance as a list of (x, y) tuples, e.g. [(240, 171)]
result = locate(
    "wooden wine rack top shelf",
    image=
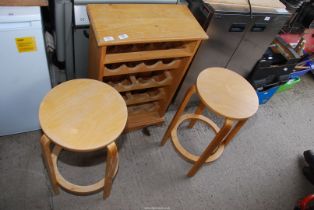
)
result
[(140, 23), (146, 55)]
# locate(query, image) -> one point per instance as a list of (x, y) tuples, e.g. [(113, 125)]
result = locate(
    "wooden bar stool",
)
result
[(227, 94), (82, 115)]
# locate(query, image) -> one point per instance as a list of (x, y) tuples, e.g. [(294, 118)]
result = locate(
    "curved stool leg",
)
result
[(103, 184), (185, 153), (185, 101), (111, 165), (234, 131), (45, 146), (211, 147), (201, 107)]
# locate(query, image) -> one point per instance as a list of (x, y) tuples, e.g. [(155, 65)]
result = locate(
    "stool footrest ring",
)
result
[(73, 188), (186, 154)]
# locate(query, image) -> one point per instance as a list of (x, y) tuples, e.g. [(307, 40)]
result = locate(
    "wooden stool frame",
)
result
[(215, 149), (57, 180)]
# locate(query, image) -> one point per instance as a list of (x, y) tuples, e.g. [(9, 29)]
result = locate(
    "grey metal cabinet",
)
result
[(237, 40)]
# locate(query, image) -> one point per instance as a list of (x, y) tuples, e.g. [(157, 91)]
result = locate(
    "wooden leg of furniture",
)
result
[(211, 147), (234, 131), (201, 107), (46, 153), (83, 189), (111, 166), (185, 153), (185, 101)]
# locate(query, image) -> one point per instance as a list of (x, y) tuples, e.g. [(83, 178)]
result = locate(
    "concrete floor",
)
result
[(261, 169)]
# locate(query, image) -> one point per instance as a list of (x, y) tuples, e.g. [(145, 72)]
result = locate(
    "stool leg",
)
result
[(185, 101), (234, 131), (45, 146), (111, 164), (201, 107), (211, 147)]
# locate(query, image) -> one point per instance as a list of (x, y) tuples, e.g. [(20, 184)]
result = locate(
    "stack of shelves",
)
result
[(144, 66)]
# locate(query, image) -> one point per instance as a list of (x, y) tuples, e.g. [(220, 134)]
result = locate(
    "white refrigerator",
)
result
[(24, 74)]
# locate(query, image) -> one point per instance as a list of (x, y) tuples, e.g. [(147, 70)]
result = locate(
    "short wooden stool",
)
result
[(82, 115), (227, 94)]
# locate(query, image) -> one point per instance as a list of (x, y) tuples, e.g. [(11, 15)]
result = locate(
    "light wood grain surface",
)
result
[(143, 23), (227, 93), (24, 3), (83, 115)]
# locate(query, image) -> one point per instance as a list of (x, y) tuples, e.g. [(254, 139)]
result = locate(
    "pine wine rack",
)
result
[(143, 51)]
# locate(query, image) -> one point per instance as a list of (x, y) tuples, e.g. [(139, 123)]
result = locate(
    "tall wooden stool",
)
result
[(82, 115), (225, 93)]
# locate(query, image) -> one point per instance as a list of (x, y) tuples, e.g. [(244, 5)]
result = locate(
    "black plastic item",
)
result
[(273, 68), (263, 77), (309, 157), (266, 74), (309, 174), (146, 132), (269, 82), (307, 17), (201, 12), (293, 4), (302, 18)]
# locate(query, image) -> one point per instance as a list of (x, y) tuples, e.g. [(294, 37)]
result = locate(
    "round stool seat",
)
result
[(227, 93), (83, 115)]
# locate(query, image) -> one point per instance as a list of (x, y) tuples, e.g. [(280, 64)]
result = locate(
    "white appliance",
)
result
[(24, 74)]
